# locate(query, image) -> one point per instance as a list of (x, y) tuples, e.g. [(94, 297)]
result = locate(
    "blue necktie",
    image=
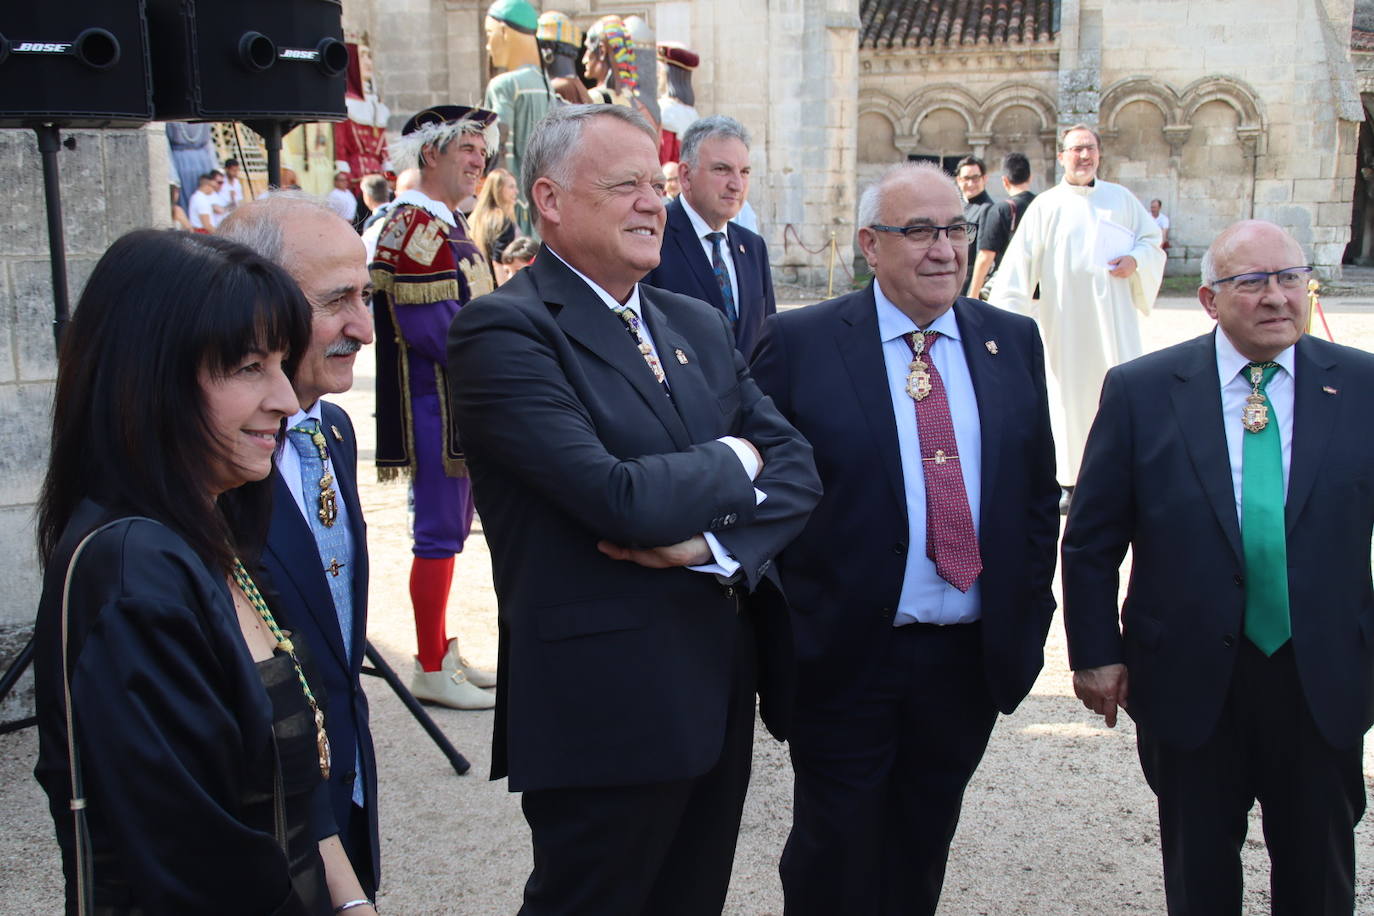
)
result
[(332, 542), (717, 240)]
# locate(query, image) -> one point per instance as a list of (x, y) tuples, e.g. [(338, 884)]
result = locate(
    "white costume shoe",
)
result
[(449, 688), (455, 662)]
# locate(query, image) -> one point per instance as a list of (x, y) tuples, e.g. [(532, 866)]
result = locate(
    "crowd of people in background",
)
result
[(849, 512)]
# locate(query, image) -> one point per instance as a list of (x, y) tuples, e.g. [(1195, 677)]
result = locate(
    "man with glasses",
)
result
[(1094, 251), (1235, 466), (920, 588)]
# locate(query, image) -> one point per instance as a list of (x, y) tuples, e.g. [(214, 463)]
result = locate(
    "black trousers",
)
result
[(880, 778), (1266, 747), (663, 849)]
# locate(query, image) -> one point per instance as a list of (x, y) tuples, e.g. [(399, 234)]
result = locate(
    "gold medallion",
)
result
[(1255, 415), (918, 384)]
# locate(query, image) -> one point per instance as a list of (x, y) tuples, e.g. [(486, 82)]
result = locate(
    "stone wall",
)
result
[(1239, 129), (787, 70), (112, 182)]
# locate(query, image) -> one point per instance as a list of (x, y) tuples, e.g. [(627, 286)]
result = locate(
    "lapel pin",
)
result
[(681, 357), (741, 249), (992, 346), (338, 436), (1328, 389)]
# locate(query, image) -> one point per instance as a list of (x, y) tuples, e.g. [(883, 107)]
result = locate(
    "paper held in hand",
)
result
[(1113, 241)]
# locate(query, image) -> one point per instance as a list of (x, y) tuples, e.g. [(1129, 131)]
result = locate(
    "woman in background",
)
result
[(493, 219), (199, 743)]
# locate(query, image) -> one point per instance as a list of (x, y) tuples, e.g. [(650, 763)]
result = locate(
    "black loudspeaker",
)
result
[(236, 60), (75, 63)]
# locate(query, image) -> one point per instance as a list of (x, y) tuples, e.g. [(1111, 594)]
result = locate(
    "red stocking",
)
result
[(429, 584)]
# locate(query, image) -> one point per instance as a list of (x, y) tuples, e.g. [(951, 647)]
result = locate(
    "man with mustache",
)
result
[(425, 269), (316, 552)]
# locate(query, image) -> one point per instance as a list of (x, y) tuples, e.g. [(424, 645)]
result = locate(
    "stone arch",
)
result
[(1141, 89), (874, 101), (1232, 92), (1014, 95), (944, 95)]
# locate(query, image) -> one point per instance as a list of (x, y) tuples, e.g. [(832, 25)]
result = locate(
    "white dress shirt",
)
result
[(725, 565), (925, 597), (702, 230), (1235, 388)]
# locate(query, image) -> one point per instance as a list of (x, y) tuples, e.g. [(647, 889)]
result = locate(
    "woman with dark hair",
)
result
[(493, 219), (180, 744)]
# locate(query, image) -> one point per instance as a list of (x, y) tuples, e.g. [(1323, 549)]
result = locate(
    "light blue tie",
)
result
[(333, 545)]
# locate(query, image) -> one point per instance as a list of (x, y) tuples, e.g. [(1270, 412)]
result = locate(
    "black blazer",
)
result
[(1156, 476), (684, 268), (823, 366), (610, 673), (304, 605)]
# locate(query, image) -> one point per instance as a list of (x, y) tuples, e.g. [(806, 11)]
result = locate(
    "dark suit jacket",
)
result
[(610, 673), (305, 606), (684, 268), (823, 366), (1156, 476)]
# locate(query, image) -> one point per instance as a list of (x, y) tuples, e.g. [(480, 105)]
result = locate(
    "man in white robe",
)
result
[(1094, 251)]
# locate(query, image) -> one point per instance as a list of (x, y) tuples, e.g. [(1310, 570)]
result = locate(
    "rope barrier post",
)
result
[(830, 283)]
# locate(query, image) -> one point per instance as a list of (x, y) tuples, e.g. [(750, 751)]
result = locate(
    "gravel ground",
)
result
[(1058, 819)]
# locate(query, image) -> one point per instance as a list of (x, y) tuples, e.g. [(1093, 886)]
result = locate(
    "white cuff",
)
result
[(744, 454), (724, 565)]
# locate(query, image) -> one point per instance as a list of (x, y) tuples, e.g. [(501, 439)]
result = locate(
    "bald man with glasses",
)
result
[(1235, 466), (920, 589)]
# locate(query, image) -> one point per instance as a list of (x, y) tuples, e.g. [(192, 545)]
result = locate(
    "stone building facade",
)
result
[(1221, 110), (112, 181), (787, 69)]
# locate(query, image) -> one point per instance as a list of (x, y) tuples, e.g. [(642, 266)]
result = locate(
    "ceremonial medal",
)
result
[(1255, 415), (329, 507), (918, 383)]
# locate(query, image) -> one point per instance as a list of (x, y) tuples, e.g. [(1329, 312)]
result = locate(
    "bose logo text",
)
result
[(42, 47), (298, 54)]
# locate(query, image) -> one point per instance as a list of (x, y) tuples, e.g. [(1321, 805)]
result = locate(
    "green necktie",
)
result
[(1262, 530)]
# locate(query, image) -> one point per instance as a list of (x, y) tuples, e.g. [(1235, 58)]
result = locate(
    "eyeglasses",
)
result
[(925, 236), (1289, 278), (1080, 150)]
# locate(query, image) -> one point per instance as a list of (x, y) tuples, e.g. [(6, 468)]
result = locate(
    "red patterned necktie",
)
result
[(950, 539)]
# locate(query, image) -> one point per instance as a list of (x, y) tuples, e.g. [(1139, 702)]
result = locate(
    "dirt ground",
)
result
[(1058, 819)]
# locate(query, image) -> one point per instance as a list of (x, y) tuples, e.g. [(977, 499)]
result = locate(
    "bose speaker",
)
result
[(237, 60), (77, 63)]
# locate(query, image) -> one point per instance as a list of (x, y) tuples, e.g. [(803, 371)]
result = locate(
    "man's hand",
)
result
[(691, 552), (753, 448), (1102, 690), (1122, 267)]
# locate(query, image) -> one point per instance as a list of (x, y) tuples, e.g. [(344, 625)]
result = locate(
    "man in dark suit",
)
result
[(633, 484), (706, 255), (1236, 468), (920, 589), (316, 552)]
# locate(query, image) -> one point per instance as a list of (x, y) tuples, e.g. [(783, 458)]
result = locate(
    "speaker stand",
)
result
[(271, 132), (49, 143)]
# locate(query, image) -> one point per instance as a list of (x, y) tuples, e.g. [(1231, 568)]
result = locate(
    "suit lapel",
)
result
[(1314, 420), (986, 372), (291, 539), (693, 255), (586, 319), (696, 405), (1197, 406), (861, 350)]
